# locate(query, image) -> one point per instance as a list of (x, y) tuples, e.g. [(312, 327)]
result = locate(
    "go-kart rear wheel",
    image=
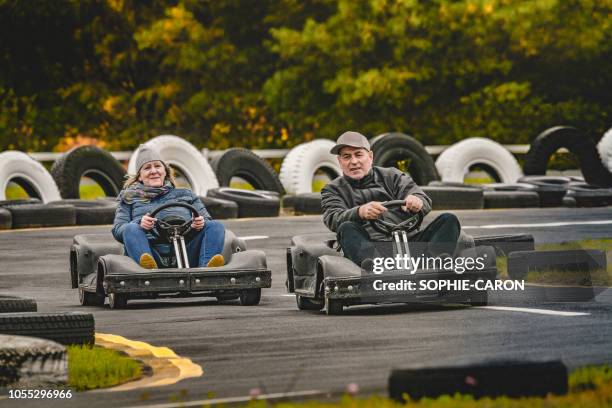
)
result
[(307, 304), (225, 298), (250, 297), (90, 298), (479, 298), (117, 300), (333, 306)]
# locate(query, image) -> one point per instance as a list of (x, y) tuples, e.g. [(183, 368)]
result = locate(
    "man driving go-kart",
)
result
[(150, 205), (355, 204)]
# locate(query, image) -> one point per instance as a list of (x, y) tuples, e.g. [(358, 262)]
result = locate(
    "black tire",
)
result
[(511, 199), (117, 300), (243, 163), (227, 298), (447, 198), (64, 328), (307, 203), (333, 307), (90, 161), (42, 215), (438, 183), (220, 209), (587, 195), (250, 297), (90, 298), (551, 189), (479, 298), (6, 219), (391, 148), (251, 203), (578, 143), (307, 304), (4, 203), (91, 212), (289, 283), (12, 304)]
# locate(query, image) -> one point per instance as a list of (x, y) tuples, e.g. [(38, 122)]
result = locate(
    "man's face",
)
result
[(355, 162)]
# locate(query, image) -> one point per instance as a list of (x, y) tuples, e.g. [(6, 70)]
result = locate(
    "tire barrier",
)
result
[(391, 148), (6, 220), (575, 260), (91, 212), (243, 163), (507, 243), (455, 198), (64, 328), (489, 379), (511, 199), (87, 161), (220, 209), (303, 161), (27, 362), (454, 163), (587, 195), (438, 183), (182, 155), (11, 304), (251, 203), (604, 148), (42, 215), (307, 203), (569, 202), (551, 189), (29, 174), (4, 203), (551, 140)]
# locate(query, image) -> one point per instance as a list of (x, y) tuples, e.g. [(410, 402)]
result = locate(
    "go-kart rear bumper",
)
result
[(361, 289)]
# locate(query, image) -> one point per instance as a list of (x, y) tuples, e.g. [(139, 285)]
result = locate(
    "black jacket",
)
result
[(340, 199)]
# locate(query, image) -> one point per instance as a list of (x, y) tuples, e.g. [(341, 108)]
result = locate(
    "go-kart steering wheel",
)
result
[(172, 225), (386, 227)]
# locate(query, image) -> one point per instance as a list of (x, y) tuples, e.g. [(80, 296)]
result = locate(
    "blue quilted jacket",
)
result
[(132, 213)]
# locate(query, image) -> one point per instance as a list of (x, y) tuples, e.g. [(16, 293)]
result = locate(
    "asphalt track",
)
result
[(277, 348)]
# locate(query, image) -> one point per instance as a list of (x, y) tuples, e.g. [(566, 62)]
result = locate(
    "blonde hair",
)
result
[(133, 178)]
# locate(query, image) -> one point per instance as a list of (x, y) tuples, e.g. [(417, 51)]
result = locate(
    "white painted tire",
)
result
[(29, 174), (303, 161), (454, 163), (182, 155), (604, 147)]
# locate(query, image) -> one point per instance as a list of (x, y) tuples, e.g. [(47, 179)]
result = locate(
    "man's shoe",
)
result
[(147, 261), (216, 261), (367, 266)]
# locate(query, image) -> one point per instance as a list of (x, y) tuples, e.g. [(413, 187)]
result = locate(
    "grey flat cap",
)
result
[(145, 155), (350, 138)]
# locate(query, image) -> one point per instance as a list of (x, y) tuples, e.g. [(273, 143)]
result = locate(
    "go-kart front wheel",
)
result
[(250, 297), (333, 306), (90, 298), (117, 300), (307, 304)]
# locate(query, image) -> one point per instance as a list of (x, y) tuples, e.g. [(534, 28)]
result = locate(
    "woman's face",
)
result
[(152, 174)]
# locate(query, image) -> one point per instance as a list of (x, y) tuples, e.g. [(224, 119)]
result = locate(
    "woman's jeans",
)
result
[(207, 243)]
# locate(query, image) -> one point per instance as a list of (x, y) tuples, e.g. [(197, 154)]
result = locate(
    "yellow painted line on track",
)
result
[(168, 368)]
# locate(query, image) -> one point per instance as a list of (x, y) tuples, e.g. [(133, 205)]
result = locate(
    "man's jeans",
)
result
[(439, 237), (207, 243)]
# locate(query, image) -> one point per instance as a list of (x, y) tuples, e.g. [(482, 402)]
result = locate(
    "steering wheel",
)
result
[(172, 225), (387, 227)]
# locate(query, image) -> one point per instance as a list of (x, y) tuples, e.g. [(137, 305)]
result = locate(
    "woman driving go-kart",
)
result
[(154, 216)]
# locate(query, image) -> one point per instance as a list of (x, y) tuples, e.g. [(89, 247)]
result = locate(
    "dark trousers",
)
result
[(439, 237)]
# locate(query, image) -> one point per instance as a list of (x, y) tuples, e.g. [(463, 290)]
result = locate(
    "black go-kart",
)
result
[(99, 268), (321, 277)]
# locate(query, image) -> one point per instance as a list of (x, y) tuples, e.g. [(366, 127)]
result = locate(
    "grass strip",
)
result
[(96, 367), (588, 387)]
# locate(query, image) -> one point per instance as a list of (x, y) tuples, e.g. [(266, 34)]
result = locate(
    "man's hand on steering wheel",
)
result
[(198, 223), (371, 210), (413, 204)]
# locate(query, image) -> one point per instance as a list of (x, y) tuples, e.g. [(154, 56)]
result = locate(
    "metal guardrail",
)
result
[(278, 153)]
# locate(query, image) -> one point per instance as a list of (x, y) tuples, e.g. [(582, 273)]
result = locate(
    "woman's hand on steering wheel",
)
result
[(198, 223), (147, 222)]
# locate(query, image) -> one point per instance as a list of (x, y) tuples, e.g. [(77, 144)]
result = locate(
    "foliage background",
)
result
[(273, 73)]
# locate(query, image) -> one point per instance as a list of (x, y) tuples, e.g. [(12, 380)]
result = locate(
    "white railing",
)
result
[(278, 153)]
